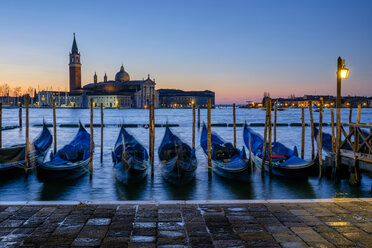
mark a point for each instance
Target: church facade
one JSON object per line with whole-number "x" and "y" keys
{"x": 122, "y": 92}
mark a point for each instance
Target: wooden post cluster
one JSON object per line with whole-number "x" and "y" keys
{"x": 234, "y": 124}
{"x": 311, "y": 128}
{"x": 275, "y": 118}
{"x": 20, "y": 115}
{"x": 193, "y": 125}
{"x": 91, "y": 137}
{"x": 27, "y": 161}
{"x": 320, "y": 135}
{"x": 303, "y": 132}
{"x": 1, "y": 123}
{"x": 101, "y": 132}
{"x": 209, "y": 138}
{"x": 333, "y": 129}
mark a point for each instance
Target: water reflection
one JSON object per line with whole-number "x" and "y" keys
{"x": 57, "y": 190}
{"x": 236, "y": 189}
{"x": 184, "y": 192}
{"x": 130, "y": 192}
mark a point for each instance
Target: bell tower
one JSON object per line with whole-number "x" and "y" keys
{"x": 75, "y": 68}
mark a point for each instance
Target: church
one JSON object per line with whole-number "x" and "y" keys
{"x": 119, "y": 93}
{"x": 122, "y": 92}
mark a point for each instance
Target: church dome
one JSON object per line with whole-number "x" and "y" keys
{"x": 122, "y": 75}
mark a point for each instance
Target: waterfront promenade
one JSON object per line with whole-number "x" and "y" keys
{"x": 275, "y": 223}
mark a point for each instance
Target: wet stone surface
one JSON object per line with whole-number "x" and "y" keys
{"x": 343, "y": 223}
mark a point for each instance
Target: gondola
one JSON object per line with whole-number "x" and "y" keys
{"x": 327, "y": 140}
{"x": 227, "y": 161}
{"x": 70, "y": 162}
{"x": 285, "y": 161}
{"x": 13, "y": 158}
{"x": 133, "y": 168}
{"x": 177, "y": 159}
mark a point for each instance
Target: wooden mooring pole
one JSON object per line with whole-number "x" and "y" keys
{"x": 275, "y": 118}
{"x": 27, "y": 161}
{"x": 333, "y": 130}
{"x": 350, "y": 115}
{"x": 270, "y": 139}
{"x": 198, "y": 116}
{"x": 312, "y": 128}
{"x": 265, "y": 138}
{"x": 320, "y": 135}
{"x": 209, "y": 139}
{"x": 250, "y": 152}
{"x": 359, "y": 113}
{"x": 193, "y": 125}
{"x": 152, "y": 134}
{"x": 303, "y": 132}
{"x": 91, "y": 137}
{"x": 101, "y": 132}
{"x": 54, "y": 127}
{"x": 355, "y": 176}
{"x": 234, "y": 124}
{"x": 20, "y": 116}
{"x": 1, "y": 123}
{"x": 338, "y": 123}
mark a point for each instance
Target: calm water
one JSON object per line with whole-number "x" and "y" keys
{"x": 103, "y": 185}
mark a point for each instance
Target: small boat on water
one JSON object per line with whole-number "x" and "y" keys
{"x": 13, "y": 158}
{"x": 327, "y": 140}
{"x": 130, "y": 163}
{"x": 70, "y": 162}
{"x": 227, "y": 161}
{"x": 285, "y": 162}
{"x": 177, "y": 159}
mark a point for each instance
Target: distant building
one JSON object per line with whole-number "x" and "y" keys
{"x": 122, "y": 92}
{"x": 328, "y": 100}
{"x": 45, "y": 98}
{"x": 119, "y": 93}
{"x": 171, "y": 98}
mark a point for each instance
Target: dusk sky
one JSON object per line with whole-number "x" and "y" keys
{"x": 239, "y": 49}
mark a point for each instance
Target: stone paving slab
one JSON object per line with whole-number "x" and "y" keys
{"x": 264, "y": 223}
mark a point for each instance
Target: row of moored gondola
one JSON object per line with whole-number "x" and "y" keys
{"x": 177, "y": 159}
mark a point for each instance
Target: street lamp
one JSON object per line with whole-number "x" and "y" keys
{"x": 342, "y": 73}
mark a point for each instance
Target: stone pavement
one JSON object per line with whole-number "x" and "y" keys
{"x": 296, "y": 223}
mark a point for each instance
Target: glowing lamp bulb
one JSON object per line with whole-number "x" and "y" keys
{"x": 344, "y": 72}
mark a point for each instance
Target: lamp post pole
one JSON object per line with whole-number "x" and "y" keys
{"x": 338, "y": 106}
